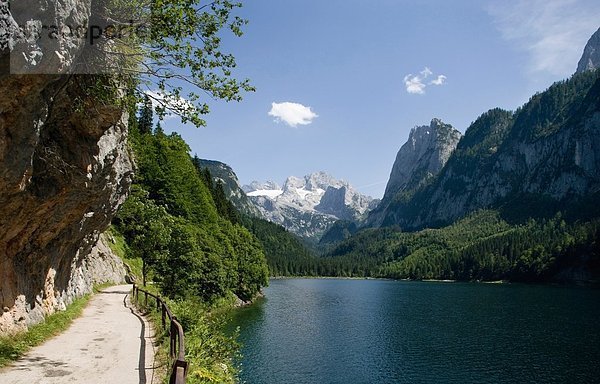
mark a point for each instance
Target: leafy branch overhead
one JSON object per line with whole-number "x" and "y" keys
{"x": 178, "y": 60}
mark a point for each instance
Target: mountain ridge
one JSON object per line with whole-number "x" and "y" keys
{"x": 547, "y": 151}
{"x": 308, "y": 206}
{"x": 224, "y": 174}
{"x": 517, "y": 200}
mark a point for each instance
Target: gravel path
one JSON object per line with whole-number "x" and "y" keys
{"x": 108, "y": 344}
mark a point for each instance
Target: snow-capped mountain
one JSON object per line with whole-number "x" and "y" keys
{"x": 308, "y": 206}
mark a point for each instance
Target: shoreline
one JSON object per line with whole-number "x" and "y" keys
{"x": 329, "y": 278}
{"x": 586, "y": 284}
{"x": 388, "y": 279}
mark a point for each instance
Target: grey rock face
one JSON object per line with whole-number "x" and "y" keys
{"x": 225, "y": 174}
{"x": 344, "y": 203}
{"x": 257, "y": 186}
{"x": 420, "y": 159}
{"x": 99, "y": 266}
{"x": 422, "y": 156}
{"x": 561, "y": 166}
{"x": 591, "y": 54}
{"x": 64, "y": 170}
{"x": 22, "y": 30}
{"x": 308, "y": 206}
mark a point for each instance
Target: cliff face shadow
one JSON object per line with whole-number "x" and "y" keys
{"x": 113, "y": 292}
{"x": 142, "y": 353}
{"x": 26, "y": 362}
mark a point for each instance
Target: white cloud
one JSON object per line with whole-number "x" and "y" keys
{"x": 426, "y": 72}
{"x": 439, "y": 81}
{"x": 554, "y": 32}
{"x": 416, "y": 84}
{"x": 293, "y": 114}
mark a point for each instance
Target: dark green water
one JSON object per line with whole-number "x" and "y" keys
{"x": 374, "y": 331}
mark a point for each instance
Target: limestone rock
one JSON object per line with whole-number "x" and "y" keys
{"x": 419, "y": 160}
{"x": 64, "y": 170}
{"x": 63, "y": 174}
{"x": 422, "y": 156}
{"x": 539, "y": 160}
{"x": 591, "y": 54}
{"x": 309, "y": 206}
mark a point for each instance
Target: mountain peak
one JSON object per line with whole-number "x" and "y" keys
{"x": 309, "y": 205}
{"x": 426, "y": 151}
{"x": 435, "y": 122}
{"x": 591, "y": 54}
{"x": 418, "y": 160}
{"x": 268, "y": 185}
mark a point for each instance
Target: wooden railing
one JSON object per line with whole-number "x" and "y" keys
{"x": 177, "y": 342}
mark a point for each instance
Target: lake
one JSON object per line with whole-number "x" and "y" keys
{"x": 378, "y": 331}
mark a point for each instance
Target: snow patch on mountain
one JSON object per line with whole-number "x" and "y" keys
{"x": 272, "y": 193}
{"x": 308, "y": 206}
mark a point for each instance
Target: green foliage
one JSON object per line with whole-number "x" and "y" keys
{"x": 480, "y": 247}
{"x": 174, "y": 49}
{"x": 224, "y": 207}
{"x": 483, "y": 138}
{"x": 192, "y": 246}
{"x": 148, "y": 228}
{"x": 146, "y": 118}
{"x": 172, "y": 223}
{"x": 210, "y": 352}
{"x": 181, "y": 56}
{"x": 165, "y": 170}
{"x": 548, "y": 112}
{"x": 339, "y": 231}
{"x": 13, "y": 347}
{"x": 286, "y": 254}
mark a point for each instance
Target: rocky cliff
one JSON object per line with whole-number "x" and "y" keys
{"x": 310, "y": 205}
{"x": 591, "y": 54}
{"x": 231, "y": 185}
{"x": 64, "y": 170}
{"x": 543, "y": 158}
{"x": 418, "y": 161}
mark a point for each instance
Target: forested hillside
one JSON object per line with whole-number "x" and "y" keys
{"x": 481, "y": 246}
{"x": 286, "y": 254}
{"x": 189, "y": 245}
{"x": 539, "y": 160}
{"x": 180, "y": 219}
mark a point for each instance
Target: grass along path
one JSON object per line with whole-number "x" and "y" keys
{"x": 109, "y": 343}
{"x": 13, "y": 347}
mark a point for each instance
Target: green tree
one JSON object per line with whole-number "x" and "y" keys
{"x": 192, "y": 248}
{"x": 146, "y": 116}
{"x": 176, "y": 52}
{"x": 147, "y": 227}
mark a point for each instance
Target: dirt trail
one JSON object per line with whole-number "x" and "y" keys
{"x": 108, "y": 344}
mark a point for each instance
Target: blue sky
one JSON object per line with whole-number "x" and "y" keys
{"x": 349, "y": 79}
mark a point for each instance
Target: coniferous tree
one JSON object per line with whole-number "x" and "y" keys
{"x": 159, "y": 129}
{"x": 146, "y": 116}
